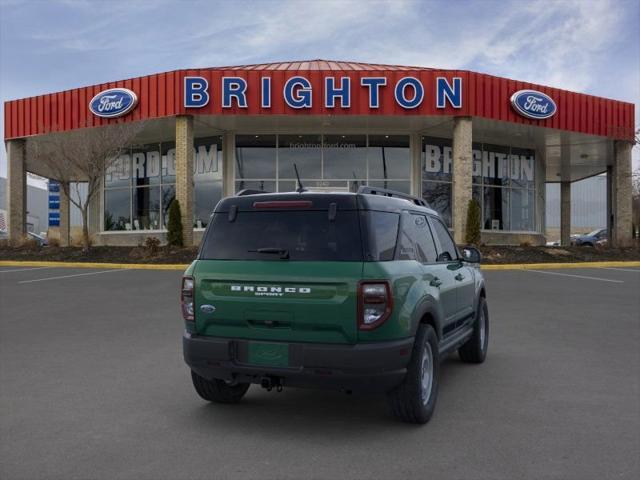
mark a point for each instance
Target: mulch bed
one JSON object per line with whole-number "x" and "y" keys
{"x": 490, "y": 254}
{"x": 504, "y": 254}
{"x": 99, "y": 254}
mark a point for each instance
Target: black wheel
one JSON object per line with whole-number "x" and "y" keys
{"x": 218, "y": 391}
{"x": 414, "y": 400}
{"x": 475, "y": 349}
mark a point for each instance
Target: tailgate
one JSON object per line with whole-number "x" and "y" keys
{"x": 290, "y": 301}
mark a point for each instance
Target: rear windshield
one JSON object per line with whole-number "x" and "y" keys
{"x": 284, "y": 235}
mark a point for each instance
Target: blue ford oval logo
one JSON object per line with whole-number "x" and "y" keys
{"x": 207, "y": 308}
{"x": 114, "y": 102}
{"x": 533, "y": 104}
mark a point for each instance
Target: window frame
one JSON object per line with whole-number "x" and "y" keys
{"x": 436, "y": 238}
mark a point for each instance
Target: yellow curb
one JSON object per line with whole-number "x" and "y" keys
{"x": 129, "y": 266}
{"x": 178, "y": 266}
{"x": 553, "y": 266}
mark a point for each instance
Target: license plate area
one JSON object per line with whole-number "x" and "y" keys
{"x": 268, "y": 354}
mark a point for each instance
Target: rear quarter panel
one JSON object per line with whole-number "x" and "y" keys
{"x": 412, "y": 299}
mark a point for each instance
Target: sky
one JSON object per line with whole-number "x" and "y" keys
{"x": 581, "y": 45}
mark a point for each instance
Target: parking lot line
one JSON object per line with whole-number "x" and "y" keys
{"x": 577, "y": 276}
{"x": 23, "y": 269}
{"x": 637, "y": 270}
{"x": 69, "y": 276}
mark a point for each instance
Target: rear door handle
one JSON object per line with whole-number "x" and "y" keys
{"x": 459, "y": 277}
{"x": 435, "y": 282}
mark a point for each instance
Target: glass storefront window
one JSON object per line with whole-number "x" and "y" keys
{"x": 255, "y": 157}
{"x": 397, "y": 185}
{"x": 496, "y": 208}
{"x": 344, "y": 157}
{"x": 522, "y": 209}
{"x": 168, "y": 194}
{"x": 477, "y": 155}
{"x": 207, "y": 178}
{"x": 522, "y": 163}
{"x": 168, "y": 162}
{"x": 152, "y": 168}
{"x": 117, "y": 215}
{"x": 438, "y": 197}
{"x": 118, "y": 174}
{"x": 436, "y": 159}
{"x": 264, "y": 185}
{"x": 146, "y": 208}
{"x": 495, "y": 165}
{"x": 333, "y": 162}
{"x": 145, "y": 165}
{"x": 498, "y": 174}
{"x": 207, "y": 195}
{"x": 303, "y": 150}
{"x": 389, "y": 157}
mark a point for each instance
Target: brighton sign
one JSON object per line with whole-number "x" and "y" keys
{"x": 533, "y": 104}
{"x": 408, "y": 92}
{"x": 113, "y": 103}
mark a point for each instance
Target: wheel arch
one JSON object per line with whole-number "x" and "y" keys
{"x": 429, "y": 315}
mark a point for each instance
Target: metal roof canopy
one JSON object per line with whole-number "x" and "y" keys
{"x": 160, "y": 95}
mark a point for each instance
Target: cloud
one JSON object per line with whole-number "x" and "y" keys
{"x": 582, "y": 45}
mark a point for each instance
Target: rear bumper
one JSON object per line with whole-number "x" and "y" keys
{"x": 364, "y": 367}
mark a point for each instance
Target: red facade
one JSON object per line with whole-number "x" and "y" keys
{"x": 161, "y": 95}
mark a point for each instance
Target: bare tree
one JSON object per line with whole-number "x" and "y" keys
{"x": 82, "y": 156}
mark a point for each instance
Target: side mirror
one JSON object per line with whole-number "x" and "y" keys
{"x": 471, "y": 255}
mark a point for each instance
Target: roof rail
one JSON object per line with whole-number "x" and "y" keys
{"x": 248, "y": 191}
{"x": 392, "y": 193}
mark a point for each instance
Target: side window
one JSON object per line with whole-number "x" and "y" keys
{"x": 382, "y": 228}
{"x": 406, "y": 250}
{"x": 425, "y": 247}
{"x": 447, "y": 250}
{"x": 416, "y": 242}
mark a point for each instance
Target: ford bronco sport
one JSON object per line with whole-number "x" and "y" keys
{"x": 357, "y": 291}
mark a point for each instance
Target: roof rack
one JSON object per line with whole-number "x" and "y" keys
{"x": 392, "y": 193}
{"x": 248, "y": 191}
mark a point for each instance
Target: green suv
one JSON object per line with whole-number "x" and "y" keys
{"x": 357, "y": 291}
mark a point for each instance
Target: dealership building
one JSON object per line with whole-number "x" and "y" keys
{"x": 448, "y": 136}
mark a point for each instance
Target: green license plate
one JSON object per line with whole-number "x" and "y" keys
{"x": 269, "y": 354}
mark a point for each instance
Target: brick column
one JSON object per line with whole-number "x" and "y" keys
{"x": 184, "y": 174}
{"x": 65, "y": 219}
{"x": 228, "y": 164}
{"x": 16, "y": 191}
{"x": 565, "y": 213}
{"x": 462, "y": 175}
{"x": 621, "y": 184}
{"x": 415, "y": 144}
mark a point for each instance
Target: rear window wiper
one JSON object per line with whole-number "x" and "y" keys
{"x": 284, "y": 254}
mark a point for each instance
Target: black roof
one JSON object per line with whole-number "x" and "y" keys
{"x": 322, "y": 200}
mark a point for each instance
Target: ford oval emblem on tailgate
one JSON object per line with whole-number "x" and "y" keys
{"x": 207, "y": 308}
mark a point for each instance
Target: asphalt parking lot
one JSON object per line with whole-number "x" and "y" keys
{"x": 92, "y": 385}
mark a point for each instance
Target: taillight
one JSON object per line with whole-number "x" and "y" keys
{"x": 375, "y": 303}
{"x": 186, "y": 298}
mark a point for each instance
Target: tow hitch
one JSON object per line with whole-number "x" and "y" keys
{"x": 270, "y": 383}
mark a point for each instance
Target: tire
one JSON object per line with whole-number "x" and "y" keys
{"x": 414, "y": 400}
{"x": 218, "y": 391}
{"x": 474, "y": 350}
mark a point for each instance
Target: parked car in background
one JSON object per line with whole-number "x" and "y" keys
{"x": 41, "y": 239}
{"x": 591, "y": 239}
